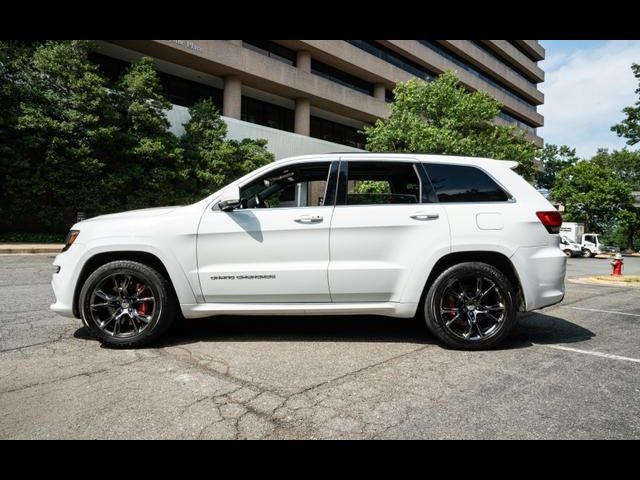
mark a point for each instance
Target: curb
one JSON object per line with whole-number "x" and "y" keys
{"x": 24, "y": 249}
{"x": 593, "y": 281}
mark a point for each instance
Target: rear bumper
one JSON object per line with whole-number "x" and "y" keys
{"x": 542, "y": 271}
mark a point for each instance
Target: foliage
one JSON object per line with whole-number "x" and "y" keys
{"x": 554, "y": 159}
{"x": 630, "y": 126}
{"x": 618, "y": 235}
{"x": 624, "y": 162}
{"x": 70, "y": 142}
{"x": 214, "y": 160}
{"x": 371, "y": 186}
{"x": 145, "y": 167}
{"x": 441, "y": 117}
{"x": 56, "y": 130}
{"x": 626, "y": 165}
{"x": 591, "y": 193}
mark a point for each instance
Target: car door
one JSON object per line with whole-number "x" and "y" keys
{"x": 275, "y": 249}
{"x": 386, "y": 224}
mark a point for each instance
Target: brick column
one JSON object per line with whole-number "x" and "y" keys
{"x": 232, "y": 98}
{"x": 302, "y": 116}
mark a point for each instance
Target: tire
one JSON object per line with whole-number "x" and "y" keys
{"x": 586, "y": 253}
{"x": 449, "y": 316}
{"x": 568, "y": 253}
{"x": 125, "y": 313}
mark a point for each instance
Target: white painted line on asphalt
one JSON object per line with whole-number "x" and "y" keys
{"x": 588, "y": 352}
{"x": 602, "y": 311}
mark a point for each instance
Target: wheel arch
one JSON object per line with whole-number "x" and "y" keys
{"x": 495, "y": 259}
{"x": 99, "y": 259}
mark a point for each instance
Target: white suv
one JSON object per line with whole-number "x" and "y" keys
{"x": 465, "y": 242}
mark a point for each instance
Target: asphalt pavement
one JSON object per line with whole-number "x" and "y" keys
{"x": 568, "y": 371}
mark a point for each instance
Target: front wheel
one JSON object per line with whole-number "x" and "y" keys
{"x": 127, "y": 304}
{"x": 586, "y": 253}
{"x": 470, "y": 306}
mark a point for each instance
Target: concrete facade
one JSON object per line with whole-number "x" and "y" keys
{"x": 507, "y": 70}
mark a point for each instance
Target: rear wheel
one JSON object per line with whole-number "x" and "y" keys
{"x": 568, "y": 253}
{"x": 127, "y": 304}
{"x": 470, "y": 306}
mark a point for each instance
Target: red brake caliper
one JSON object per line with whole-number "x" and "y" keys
{"x": 451, "y": 303}
{"x": 143, "y": 307}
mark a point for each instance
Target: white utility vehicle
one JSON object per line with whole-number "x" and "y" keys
{"x": 464, "y": 242}
{"x": 570, "y": 249}
{"x": 590, "y": 244}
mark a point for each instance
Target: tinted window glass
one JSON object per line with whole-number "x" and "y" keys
{"x": 371, "y": 183}
{"x": 293, "y": 186}
{"x": 458, "y": 183}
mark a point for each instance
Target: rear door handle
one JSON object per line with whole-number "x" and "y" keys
{"x": 309, "y": 219}
{"x": 425, "y": 216}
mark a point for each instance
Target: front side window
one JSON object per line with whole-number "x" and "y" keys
{"x": 301, "y": 185}
{"x": 461, "y": 183}
{"x": 381, "y": 183}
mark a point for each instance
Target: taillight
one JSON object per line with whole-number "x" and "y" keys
{"x": 551, "y": 220}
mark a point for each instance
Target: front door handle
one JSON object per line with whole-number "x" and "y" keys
{"x": 425, "y": 216}
{"x": 309, "y": 219}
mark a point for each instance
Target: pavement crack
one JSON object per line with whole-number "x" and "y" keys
{"x": 57, "y": 380}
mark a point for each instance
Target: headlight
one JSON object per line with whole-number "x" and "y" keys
{"x": 71, "y": 237}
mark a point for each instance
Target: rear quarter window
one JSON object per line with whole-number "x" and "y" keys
{"x": 461, "y": 183}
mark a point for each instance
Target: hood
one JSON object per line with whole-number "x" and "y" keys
{"x": 142, "y": 213}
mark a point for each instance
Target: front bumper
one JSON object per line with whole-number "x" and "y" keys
{"x": 542, "y": 272}
{"x": 64, "y": 282}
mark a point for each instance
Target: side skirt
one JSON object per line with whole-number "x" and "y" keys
{"x": 391, "y": 309}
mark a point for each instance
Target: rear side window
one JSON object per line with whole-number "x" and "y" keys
{"x": 461, "y": 183}
{"x": 382, "y": 183}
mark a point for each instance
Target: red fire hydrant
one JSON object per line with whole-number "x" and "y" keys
{"x": 617, "y": 264}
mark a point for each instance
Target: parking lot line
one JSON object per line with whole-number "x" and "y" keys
{"x": 589, "y": 352}
{"x": 602, "y": 311}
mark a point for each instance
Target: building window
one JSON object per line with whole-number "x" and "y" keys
{"x": 336, "y": 132}
{"x": 267, "y": 114}
{"x": 178, "y": 90}
{"x": 505, "y": 61}
{"x": 272, "y": 50}
{"x": 523, "y": 50}
{"x": 389, "y": 56}
{"x": 343, "y": 78}
{"x": 459, "y": 183}
{"x": 518, "y": 123}
{"x": 389, "y": 97}
{"x": 454, "y": 58}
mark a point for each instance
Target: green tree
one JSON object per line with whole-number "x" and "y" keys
{"x": 214, "y": 160}
{"x": 56, "y": 129}
{"x": 554, "y": 159}
{"x": 441, "y": 117}
{"x": 146, "y": 166}
{"x": 591, "y": 194}
{"x": 630, "y": 126}
{"x": 626, "y": 164}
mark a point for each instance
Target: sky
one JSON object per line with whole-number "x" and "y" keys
{"x": 587, "y": 84}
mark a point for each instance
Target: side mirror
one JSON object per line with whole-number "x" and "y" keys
{"x": 230, "y": 199}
